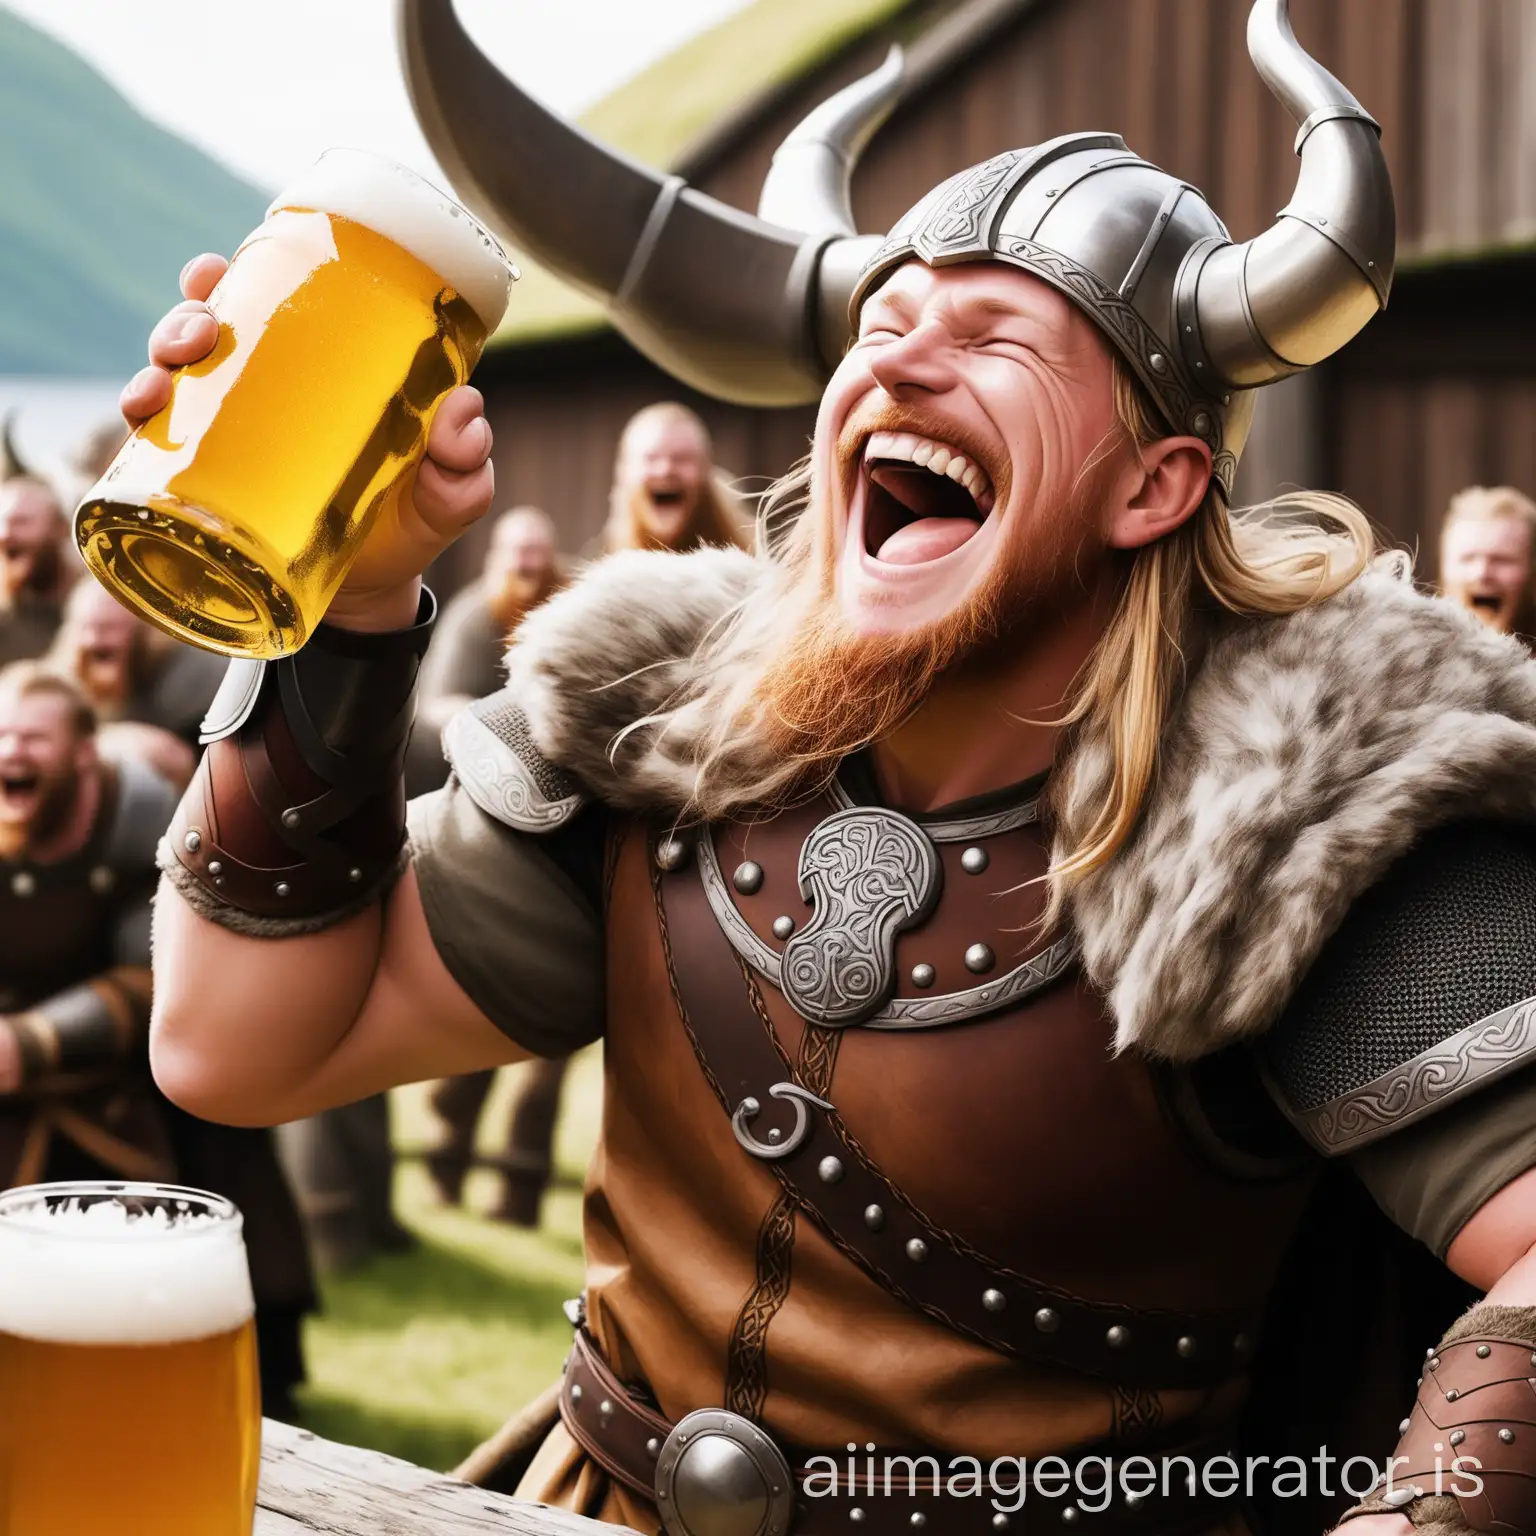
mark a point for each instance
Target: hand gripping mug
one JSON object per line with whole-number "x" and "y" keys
{"x": 230, "y": 517}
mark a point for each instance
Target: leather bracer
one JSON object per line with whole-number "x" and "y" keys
{"x": 296, "y": 816}
{"x": 1467, "y": 1456}
{"x": 78, "y": 1033}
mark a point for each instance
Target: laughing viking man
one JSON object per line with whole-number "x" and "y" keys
{"x": 1064, "y": 946}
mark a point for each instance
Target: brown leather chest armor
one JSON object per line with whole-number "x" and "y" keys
{"x": 941, "y": 1096}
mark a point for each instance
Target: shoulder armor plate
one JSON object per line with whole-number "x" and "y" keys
{"x": 1425, "y": 995}
{"x": 491, "y": 749}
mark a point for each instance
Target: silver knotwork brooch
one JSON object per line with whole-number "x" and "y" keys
{"x": 868, "y": 873}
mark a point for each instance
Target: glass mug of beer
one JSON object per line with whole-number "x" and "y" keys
{"x": 230, "y": 517}
{"x": 129, "y": 1398}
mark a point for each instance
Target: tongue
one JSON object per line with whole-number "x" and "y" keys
{"x": 928, "y": 538}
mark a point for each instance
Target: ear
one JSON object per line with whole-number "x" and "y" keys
{"x": 1158, "y": 490}
{"x": 87, "y": 757}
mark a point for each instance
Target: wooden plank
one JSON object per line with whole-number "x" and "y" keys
{"x": 311, "y": 1486}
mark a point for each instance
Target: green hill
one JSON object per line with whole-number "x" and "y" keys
{"x": 99, "y": 208}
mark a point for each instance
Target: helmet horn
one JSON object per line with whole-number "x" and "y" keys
{"x": 1298, "y": 292}
{"x": 729, "y": 303}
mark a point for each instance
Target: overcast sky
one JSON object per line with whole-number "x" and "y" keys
{"x": 265, "y": 85}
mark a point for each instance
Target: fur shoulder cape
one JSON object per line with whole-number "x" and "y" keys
{"x": 1304, "y": 757}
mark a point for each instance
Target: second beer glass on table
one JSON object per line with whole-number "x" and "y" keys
{"x": 129, "y": 1396}
{"x": 230, "y": 517}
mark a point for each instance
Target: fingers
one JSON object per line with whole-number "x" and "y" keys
{"x": 144, "y": 394}
{"x": 200, "y": 275}
{"x": 460, "y": 439}
{"x": 183, "y": 336}
{"x": 448, "y": 501}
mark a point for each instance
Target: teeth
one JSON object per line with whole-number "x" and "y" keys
{"x": 938, "y": 458}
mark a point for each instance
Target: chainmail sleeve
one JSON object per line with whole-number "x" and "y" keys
{"x": 1425, "y": 996}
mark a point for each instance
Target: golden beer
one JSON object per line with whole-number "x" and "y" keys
{"x": 129, "y": 1397}
{"x": 230, "y": 517}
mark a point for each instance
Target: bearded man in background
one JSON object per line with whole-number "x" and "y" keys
{"x": 36, "y": 568}
{"x": 1486, "y": 557}
{"x": 149, "y": 692}
{"x": 987, "y": 899}
{"x": 667, "y": 492}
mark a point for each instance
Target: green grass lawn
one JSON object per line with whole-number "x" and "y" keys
{"x": 424, "y": 1354}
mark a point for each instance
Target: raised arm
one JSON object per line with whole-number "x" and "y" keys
{"x": 296, "y": 971}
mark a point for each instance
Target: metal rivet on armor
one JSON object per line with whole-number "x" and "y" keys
{"x": 999, "y": 1521}
{"x": 1159, "y": 363}
{"x": 829, "y": 1170}
{"x": 672, "y": 853}
{"x": 23, "y": 883}
{"x": 282, "y": 888}
{"x": 917, "y": 1250}
{"x": 1118, "y": 1337}
{"x": 653, "y": 1447}
{"x": 919, "y": 1519}
{"x": 1452, "y": 1395}
{"x": 748, "y": 878}
{"x": 748, "y": 1106}
{"x": 922, "y": 975}
{"x": 1457, "y": 1435}
{"x": 1397, "y": 1497}
{"x": 974, "y": 861}
{"x": 993, "y": 1300}
{"x": 576, "y": 1393}
{"x": 1483, "y": 1351}
{"x": 874, "y": 1217}
{"x": 856, "y": 1515}
{"x": 215, "y": 868}
{"x": 354, "y": 874}
{"x": 1434, "y": 1364}
{"x": 290, "y": 818}
{"x": 1069, "y": 1515}
{"x": 102, "y": 879}
{"x": 1402, "y": 1428}
{"x": 1429, "y": 1354}
{"x": 192, "y": 841}
{"x": 1187, "y": 1347}
{"x": 1052, "y": 191}
{"x": 783, "y": 926}
{"x": 605, "y": 1407}
{"x": 1507, "y": 1436}
{"x": 980, "y": 959}
{"x": 1046, "y": 1320}
{"x": 1321, "y": 221}
{"x": 1533, "y": 1357}
{"x": 1226, "y": 399}
{"x": 1202, "y": 423}
{"x": 775, "y": 1134}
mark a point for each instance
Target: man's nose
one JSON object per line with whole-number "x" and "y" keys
{"x": 918, "y": 363}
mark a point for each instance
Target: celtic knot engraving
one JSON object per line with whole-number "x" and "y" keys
{"x": 958, "y": 221}
{"x": 1483, "y": 1050}
{"x": 868, "y": 873}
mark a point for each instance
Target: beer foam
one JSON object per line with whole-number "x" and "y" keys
{"x": 96, "y": 1275}
{"x": 408, "y": 209}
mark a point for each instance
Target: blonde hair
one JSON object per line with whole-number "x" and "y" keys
{"x": 1490, "y": 503}
{"x": 1267, "y": 560}
{"x": 718, "y": 519}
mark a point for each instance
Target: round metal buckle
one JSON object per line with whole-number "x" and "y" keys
{"x": 718, "y": 1474}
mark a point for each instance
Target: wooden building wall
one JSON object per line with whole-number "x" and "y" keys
{"x": 1436, "y": 393}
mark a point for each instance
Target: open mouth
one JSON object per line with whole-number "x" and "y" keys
{"x": 18, "y": 789}
{"x": 665, "y": 496}
{"x": 924, "y": 498}
{"x": 1487, "y": 602}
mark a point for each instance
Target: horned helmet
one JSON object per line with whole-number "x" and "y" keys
{"x": 758, "y": 310}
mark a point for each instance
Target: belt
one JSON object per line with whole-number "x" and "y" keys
{"x": 715, "y": 1473}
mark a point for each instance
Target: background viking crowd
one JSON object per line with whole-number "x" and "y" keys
{"x": 99, "y": 722}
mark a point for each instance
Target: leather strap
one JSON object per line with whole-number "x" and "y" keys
{"x": 827, "y": 1174}
{"x": 624, "y": 1436}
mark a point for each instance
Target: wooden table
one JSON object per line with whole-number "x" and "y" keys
{"x": 309, "y": 1486}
